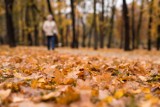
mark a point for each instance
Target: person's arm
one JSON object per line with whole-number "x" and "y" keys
{"x": 44, "y": 27}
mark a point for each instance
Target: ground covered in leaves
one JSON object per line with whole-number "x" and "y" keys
{"x": 35, "y": 77}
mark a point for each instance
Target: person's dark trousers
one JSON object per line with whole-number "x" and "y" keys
{"x": 51, "y": 42}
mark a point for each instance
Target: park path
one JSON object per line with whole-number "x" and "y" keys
{"x": 108, "y": 53}
{"x": 117, "y": 53}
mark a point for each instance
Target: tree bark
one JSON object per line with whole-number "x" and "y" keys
{"x": 126, "y": 25}
{"x": 74, "y": 39}
{"x": 84, "y": 33}
{"x": 50, "y": 7}
{"x": 122, "y": 35}
{"x": 36, "y": 33}
{"x": 102, "y": 27}
{"x": 158, "y": 29}
{"x": 90, "y": 34}
{"x": 60, "y": 24}
{"x": 95, "y": 27}
{"x": 150, "y": 23}
{"x": 111, "y": 25}
{"x": 9, "y": 23}
{"x": 133, "y": 24}
{"x": 139, "y": 24}
{"x": 30, "y": 18}
{"x": 66, "y": 35}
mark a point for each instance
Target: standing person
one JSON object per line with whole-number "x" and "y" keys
{"x": 50, "y": 29}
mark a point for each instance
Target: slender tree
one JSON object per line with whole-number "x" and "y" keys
{"x": 83, "y": 21}
{"x": 126, "y": 25}
{"x": 111, "y": 24}
{"x": 31, "y": 22}
{"x": 35, "y": 18}
{"x": 102, "y": 26}
{"x": 95, "y": 26}
{"x": 74, "y": 39}
{"x": 122, "y": 36}
{"x": 139, "y": 23}
{"x": 150, "y": 24}
{"x": 67, "y": 32}
{"x": 133, "y": 24}
{"x": 50, "y": 7}
{"x": 28, "y": 22}
{"x": 9, "y": 23}
{"x": 158, "y": 28}
{"x": 60, "y": 23}
{"x": 84, "y": 33}
{"x": 36, "y": 33}
{"x": 122, "y": 33}
{"x": 90, "y": 33}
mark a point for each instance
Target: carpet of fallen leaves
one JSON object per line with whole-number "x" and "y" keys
{"x": 35, "y": 77}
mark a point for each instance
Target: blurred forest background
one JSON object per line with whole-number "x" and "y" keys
{"x": 83, "y": 23}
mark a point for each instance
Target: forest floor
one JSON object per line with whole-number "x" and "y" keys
{"x": 36, "y": 77}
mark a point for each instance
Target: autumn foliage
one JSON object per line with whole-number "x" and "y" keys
{"x": 34, "y": 77}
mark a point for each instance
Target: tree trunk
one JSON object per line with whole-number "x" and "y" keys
{"x": 102, "y": 27}
{"x": 139, "y": 24}
{"x": 90, "y": 34}
{"x": 122, "y": 35}
{"x": 50, "y": 7}
{"x": 126, "y": 25}
{"x": 83, "y": 21}
{"x": 74, "y": 39}
{"x": 36, "y": 35}
{"x": 60, "y": 24}
{"x": 150, "y": 23}
{"x": 9, "y": 23}
{"x": 28, "y": 22}
{"x": 32, "y": 23}
{"x": 158, "y": 38}
{"x": 111, "y": 25}
{"x": 122, "y": 38}
{"x": 66, "y": 35}
{"x": 133, "y": 24}
{"x": 95, "y": 26}
{"x": 84, "y": 33}
{"x": 158, "y": 29}
{"x": 1, "y": 40}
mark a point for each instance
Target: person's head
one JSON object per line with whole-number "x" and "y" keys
{"x": 50, "y": 17}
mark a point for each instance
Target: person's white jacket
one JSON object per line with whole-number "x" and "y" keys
{"x": 50, "y": 28}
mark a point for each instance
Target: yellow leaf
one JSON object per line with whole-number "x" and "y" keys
{"x": 146, "y": 90}
{"x": 59, "y": 76}
{"x": 68, "y": 81}
{"x": 4, "y": 94}
{"x": 34, "y": 83}
{"x": 148, "y": 96}
{"x": 108, "y": 99}
{"x": 95, "y": 92}
{"x": 118, "y": 94}
{"x": 155, "y": 100}
{"x": 41, "y": 80}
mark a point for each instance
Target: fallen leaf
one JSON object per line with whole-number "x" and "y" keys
{"x": 118, "y": 94}
{"x": 4, "y": 94}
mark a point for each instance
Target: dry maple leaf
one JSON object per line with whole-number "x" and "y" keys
{"x": 58, "y": 77}
{"x": 4, "y": 94}
{"x": 68, "y": 96}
